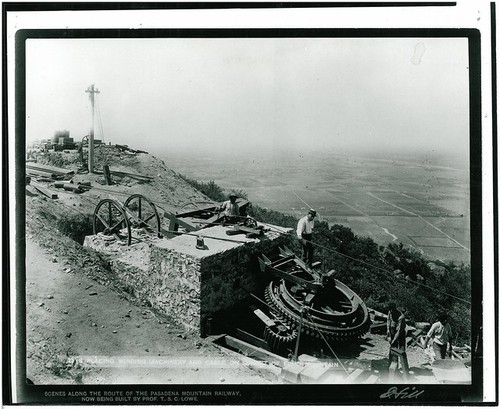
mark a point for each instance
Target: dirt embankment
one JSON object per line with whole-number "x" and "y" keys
{"x": 78, "y": 316}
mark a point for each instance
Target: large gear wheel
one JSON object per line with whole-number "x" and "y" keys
{"x": 280, "y": 338}
{"x": 337, "y": 313}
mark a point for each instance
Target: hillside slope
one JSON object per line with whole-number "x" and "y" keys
{"x": 62, "y": 276}
{"x": 135, "y": 173}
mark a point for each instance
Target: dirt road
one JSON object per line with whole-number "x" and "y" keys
{"x": 80, "y": 331}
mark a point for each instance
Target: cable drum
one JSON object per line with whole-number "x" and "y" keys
{"x": 337, "y": 313}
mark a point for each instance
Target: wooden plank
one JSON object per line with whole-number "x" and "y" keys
{"x": 252, "y": 339}
{"x": 47, "y": 168}
{"x": 173, "y": 218}
{"x": 194, "y": 213}
{"x": 132, "y": 175}
{"x": 43, "y": 173}
{"x": 246, "y": 229}
{"x": 286, "y": 252}
{"x": 377, "y": 313}
{"x": 44, "y": 179}
{"x": 291, "y": 372}
{"x": 256, "y": 352}
{"x": 46, "y": 193}
{"x": 313, "y": 286}
{"x": 331, "y": 273}
{"x": 283, "y": 261}
{"x": 414, "y": 337}
{"x": 313, "y": 372}
{"x": 354, "y": 375}
{"x": 371, "y": 379}
{"x": 304, "y": 267}
{"x": 264, "y": 318}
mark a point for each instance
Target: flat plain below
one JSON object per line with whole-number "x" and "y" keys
{"x": 422, "y": 202}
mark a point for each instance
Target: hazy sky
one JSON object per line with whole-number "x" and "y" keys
{"x": 235, "y": 95}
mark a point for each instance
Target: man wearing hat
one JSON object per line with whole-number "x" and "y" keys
{"x": 304, "y": 233}
{"x": 230, "y": 207}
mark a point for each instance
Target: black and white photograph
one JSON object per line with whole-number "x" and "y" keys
{"x": 251, "y": 214}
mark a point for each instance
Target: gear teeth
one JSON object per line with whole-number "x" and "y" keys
{"x": 278, "y": 342}
{"x": 289, "y": 317}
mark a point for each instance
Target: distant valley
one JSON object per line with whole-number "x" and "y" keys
{"x": 423, "y": 203}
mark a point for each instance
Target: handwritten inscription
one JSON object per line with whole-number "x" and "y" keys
{"x": 406, "y": 393}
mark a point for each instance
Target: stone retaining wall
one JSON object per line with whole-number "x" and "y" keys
{"x": 191, "y": 285}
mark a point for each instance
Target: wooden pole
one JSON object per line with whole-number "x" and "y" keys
{"x": 91, "y": 90}
{"x": 107, "y": 175}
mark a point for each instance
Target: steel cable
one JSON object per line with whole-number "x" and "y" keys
{"x": 381, "y": 269}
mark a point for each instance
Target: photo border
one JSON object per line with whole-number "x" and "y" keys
{"x": 259, "y": 394}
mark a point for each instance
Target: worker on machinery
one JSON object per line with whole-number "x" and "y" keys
{"x": 230, "y": 208}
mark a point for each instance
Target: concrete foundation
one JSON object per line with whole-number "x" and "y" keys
{"x": 190, "y": 284}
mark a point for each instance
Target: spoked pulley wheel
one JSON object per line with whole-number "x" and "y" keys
{"x": 335, "y": 312}
{"x": 142, "y": 213}
{"x": 250, "y": 222}
{"x": 111, "y": 219}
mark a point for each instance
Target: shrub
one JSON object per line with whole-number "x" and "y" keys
{"x": 59, "y": 160}
{"x": 210, "y": 189}
{"x": 76, "y": 226}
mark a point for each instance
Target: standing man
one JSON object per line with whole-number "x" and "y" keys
{"x": 398, "y": 339}
{"x": 392, "y": 320}
{"x": 304, "y": 233}
{"x": 398, "y": 343}
{"x": 441, "y": 333}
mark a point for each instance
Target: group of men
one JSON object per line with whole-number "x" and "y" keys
{"x": 440, "y": 331}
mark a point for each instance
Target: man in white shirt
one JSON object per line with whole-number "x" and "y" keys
{"x": 305, "y": 227}
{"x": 441, "y": 333}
